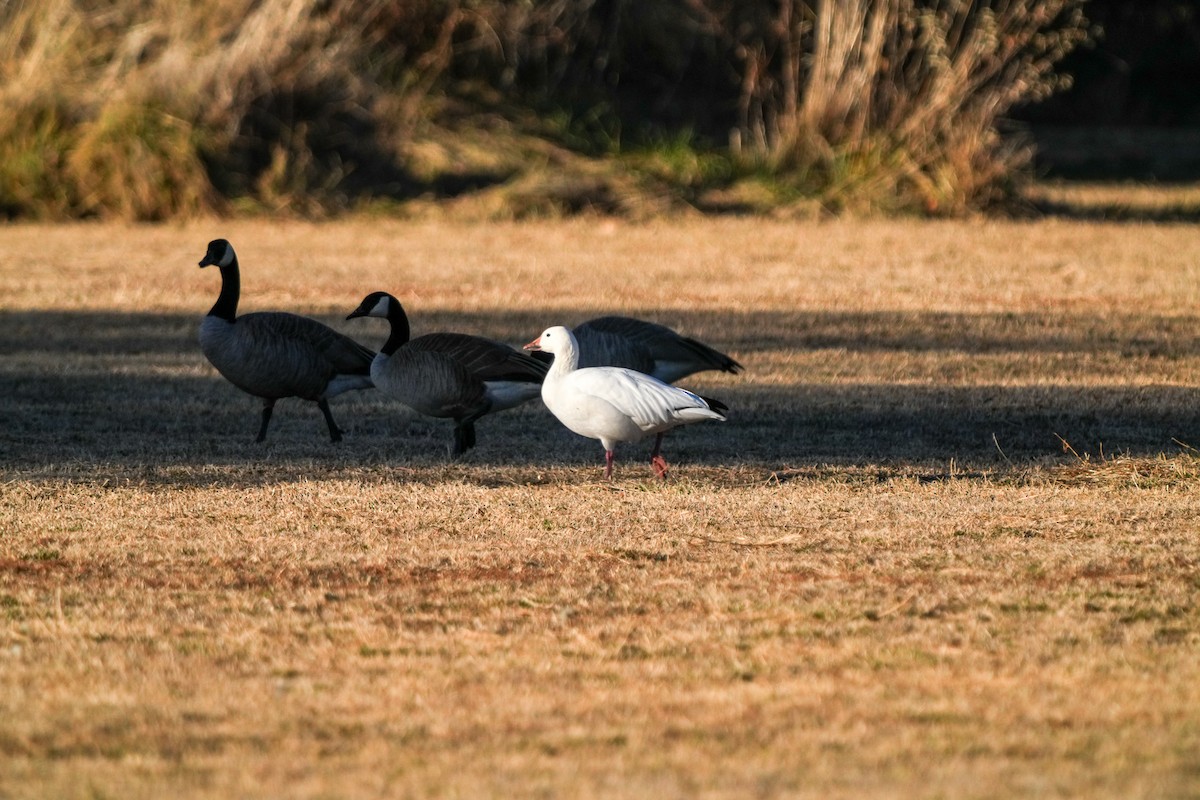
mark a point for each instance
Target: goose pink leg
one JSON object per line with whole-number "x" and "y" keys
{"x": 656, "y": 460}
{"x": 608, "y": 464}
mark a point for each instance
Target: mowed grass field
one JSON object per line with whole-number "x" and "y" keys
{"x": 946, "y": 545}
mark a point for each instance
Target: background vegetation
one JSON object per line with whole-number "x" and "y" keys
{"x": 149, "y": 109}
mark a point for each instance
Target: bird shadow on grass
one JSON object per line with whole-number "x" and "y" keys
{"x": 128, "y": 396}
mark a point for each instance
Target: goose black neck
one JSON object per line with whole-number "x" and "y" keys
{"x": 231, "y": 289}
{"x": 400, "y": 330}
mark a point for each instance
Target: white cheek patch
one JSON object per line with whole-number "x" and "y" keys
{"x": 226, "y": 259}
{"x": 380, "y": 308}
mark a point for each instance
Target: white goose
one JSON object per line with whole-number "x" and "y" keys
{"x": 614, "y": 404}
{"x": 448, "y": 375}
{"x": 273, "y": 354}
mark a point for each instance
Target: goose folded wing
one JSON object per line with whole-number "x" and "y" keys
{"x": 599, "y": 348}
{"x": 342, "y": 353}
{"x": 661, "y": 342}
{"x": 486, "y": 359}
{"x": 348, "y": 356}
{"x": 635, "y": 330}
{"x": 649, "y": 403}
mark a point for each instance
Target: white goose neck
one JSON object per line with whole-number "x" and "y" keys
{"x": 566, "y": 358}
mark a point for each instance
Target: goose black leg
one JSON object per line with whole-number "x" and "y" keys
{"x": 268, "y": 407}
{"x": 464, "y": 431}
{"x": 464, "y": 437}
{"x": 335, "y": 433}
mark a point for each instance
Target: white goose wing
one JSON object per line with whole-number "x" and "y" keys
{"x": 646, "y": 401}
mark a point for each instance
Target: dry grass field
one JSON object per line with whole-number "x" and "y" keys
{"x": 945, "y": 546}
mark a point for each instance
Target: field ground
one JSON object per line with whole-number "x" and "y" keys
{"x": 945, "y": 546}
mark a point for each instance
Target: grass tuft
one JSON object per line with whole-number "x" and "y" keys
{"x": 137, "y": 161}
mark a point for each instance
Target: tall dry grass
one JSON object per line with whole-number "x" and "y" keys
{"x": 902, "y": 102}
{"x": 148, "y": 109}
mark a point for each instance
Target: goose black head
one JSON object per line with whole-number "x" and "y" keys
{"x": 220, "y": 253}
{"x": 376, "y": 304}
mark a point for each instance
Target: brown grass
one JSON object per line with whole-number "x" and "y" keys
{"x": 1128, "y": 201}
{"x": 944, "y": 546}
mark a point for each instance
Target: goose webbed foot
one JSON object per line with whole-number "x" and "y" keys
{"x": 660, "y": 466}
{"x": 656, "y": 460}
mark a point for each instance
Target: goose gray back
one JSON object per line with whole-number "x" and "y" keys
{"x": 275, "y": 354}
{"x": 648, "y": 347}
{"x": 673, "y": 356}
